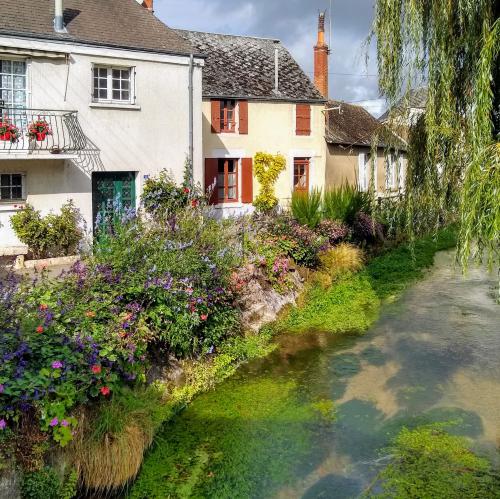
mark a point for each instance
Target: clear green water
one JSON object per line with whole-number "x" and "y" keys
{"x": 312, "y": 420}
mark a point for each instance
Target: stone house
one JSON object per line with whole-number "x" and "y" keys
{"x": 97, "y": 96}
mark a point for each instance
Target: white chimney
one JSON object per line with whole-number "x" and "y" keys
{"x": 58, "y": 18}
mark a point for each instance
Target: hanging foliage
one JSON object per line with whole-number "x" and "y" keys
{"x": 267, "y": 168}
{"x": 453, "y": 47}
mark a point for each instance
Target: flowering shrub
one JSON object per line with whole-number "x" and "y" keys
{"x": 163, "y": 198}
{"x": 296, "y": 241}
{"x": 367, "y": 229}
{"x": 333, "y": 230}
{"x": 78, "y": 339}
{"x": 267, "y": 169}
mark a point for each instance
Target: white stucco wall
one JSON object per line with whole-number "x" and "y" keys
{"x": 145, "y": 138}
{"x": 271, "y": 129}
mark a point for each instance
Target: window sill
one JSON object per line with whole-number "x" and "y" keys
{"x": 12, "y": 205}
{"x": 114, "y": 105}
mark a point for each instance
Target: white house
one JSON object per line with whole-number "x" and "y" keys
{"x": 119, "y": 93}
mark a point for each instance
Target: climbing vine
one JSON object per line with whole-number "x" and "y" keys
{"x": 453, "y": 48}
{"x": 267, "y": 168}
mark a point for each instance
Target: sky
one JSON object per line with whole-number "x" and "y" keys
{"x": 294, "y": 22}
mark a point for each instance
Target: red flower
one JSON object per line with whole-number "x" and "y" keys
{"x": 194, "y": 203}
{"x": 186, "y": 190}
{"x": 204, "y": 317}
{"x": 96, "y": 369}
{"x": 39, "y": 329}
{"x": 43, "y": 306}
{"x": 105, "y": 391}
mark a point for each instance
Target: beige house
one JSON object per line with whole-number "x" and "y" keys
{"x": 256, "y": 99}
{"x": 117, "y": 97}
{"x": 350, "y": 131}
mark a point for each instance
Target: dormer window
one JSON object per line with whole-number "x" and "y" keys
{"x": 113, "y": 85}
{"x": 228, "y": 116}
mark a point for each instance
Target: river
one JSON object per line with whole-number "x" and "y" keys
{"x": 314, "y": 419}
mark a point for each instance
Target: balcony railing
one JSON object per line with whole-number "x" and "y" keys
{"x": 34, "y": 131}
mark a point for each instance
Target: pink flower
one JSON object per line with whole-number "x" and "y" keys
{"x": 54, "y": 422}
{"x": 39, "y": 329}
{"x": 3, "y": 424}
{"x": 64, "y": 423}
{"x": 96, "y": 369}
{"x": 204, "y": 317}
{"x": 57, "y": 364}
{"x": 105, "y": 391}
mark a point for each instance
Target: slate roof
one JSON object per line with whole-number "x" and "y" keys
{"x": 353, "y": 125}
{"x": 416, "y": 99}
{"x": 111, "y": 23}
{"x": 244, "y": 67}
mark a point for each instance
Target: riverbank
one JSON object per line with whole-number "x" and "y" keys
{"x": 352, "y": 303}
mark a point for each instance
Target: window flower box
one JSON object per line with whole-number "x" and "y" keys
{"x": 8, "y": 131}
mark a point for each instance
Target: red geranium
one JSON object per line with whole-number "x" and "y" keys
{"x": 39, "y": 329}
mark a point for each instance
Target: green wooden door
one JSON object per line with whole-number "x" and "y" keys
{"x": 112, "y": 192}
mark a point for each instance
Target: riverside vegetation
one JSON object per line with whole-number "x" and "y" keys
{"x": 80, "y": 354}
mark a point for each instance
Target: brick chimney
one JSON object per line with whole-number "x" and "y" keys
{"x": 148, "y": 4}
{"x": 321, "y": 53}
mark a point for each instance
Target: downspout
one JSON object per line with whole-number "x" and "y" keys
{"x": 191, "y": 116}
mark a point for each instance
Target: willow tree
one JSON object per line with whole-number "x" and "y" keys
{"x": 453, "y": 46}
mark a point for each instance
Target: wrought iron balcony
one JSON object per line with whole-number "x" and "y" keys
{"x": 32, "y": 131}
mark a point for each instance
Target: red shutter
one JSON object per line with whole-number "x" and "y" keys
{"x": 243, "y": 106}
{"x": 303, "y": 118}
{"x": 211, "y": 170}
{"x": 247, "y": 180}
{"x": 216, "y": 116}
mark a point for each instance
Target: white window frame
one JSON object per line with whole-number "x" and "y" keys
{"x": 27, "y": 92}
{"x": 391, "y": 173}
{"x": 363, "y": 180}
{"x": 23, "y": 189}
{"x": 109, "y": 88}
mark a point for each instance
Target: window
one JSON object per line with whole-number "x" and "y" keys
{"x": 13, "y": 83}
{"x": 390, "y": 178}
{"x": 228, "y": 116}
{"x": 301, "y": 174}
{"x": 113, "y": 85}
{"x": 11, "y": 186}
{"x": 227, "y": 180}
{"x": 363, "y": 162}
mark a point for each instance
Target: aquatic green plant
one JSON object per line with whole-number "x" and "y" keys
{"x": 428, "y": 462}
{"x": 225, "y": 446}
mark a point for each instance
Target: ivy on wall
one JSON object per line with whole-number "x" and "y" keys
{"x": 267, "y": 168}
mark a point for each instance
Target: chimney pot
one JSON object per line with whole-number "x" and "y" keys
{"x": 148, "y": 4}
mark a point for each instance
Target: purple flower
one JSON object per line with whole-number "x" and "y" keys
{"x": 3, "y": 424}
{"x": 57, "y": 364}
{"x": 64, "y": 423}
{"x": 2, "y": 388}
{"x": 54, "y": 422}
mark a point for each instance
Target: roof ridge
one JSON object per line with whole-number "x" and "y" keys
{"x": 229, "y": 35}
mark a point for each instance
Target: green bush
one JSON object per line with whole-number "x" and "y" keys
{"x": 43, "y": 484}
{"x": 344, "y": 202}
{"x": 49, "y": 236}
{"x": 306, "y": 207}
